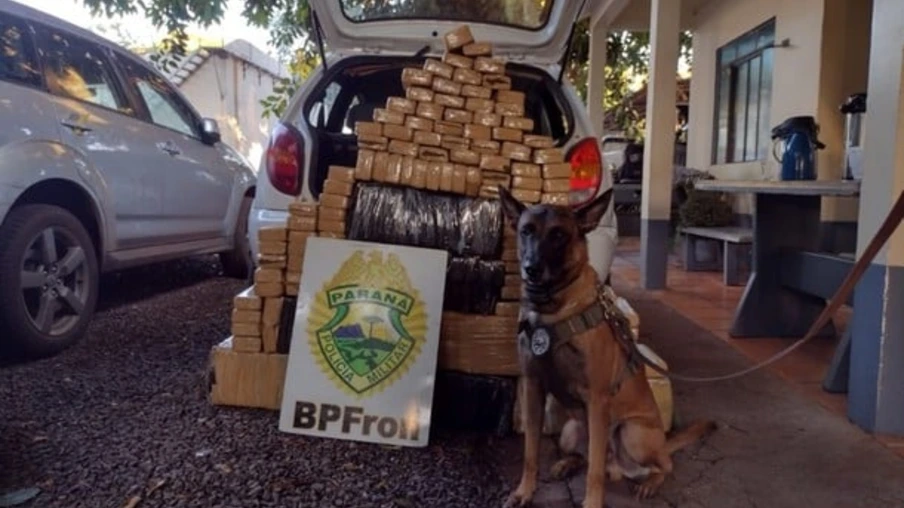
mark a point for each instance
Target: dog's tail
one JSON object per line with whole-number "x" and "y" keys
{"x": 688, "y": 435}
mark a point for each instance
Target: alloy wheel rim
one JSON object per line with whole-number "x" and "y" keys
{"x": 54, "y": 281}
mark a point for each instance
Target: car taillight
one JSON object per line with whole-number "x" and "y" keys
{"x": 586, "y": 170}
{"x": 284, "y": 159}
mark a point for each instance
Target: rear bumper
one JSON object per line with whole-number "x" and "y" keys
{"x": 261, "y": 218}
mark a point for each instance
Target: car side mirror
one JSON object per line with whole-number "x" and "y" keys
{"x": 210, "y": 131}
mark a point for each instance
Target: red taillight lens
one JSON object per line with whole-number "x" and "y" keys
{"x": 284, "y": 159}
{"x": 586, "y": 170}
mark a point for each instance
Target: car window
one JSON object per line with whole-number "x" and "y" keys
{"x": 76, "y": 68}
{"x": 164, "y": 105}
{"x": 318, "y": 116}
{"x": 18, "y": 63}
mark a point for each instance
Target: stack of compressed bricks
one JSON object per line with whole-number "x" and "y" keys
{"x": 511, "y": 289}
{"x": 462, "y": 129}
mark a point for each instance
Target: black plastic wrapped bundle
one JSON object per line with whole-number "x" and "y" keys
{"x": 466, "y": 402}
{"x": 462, "y": 225}
{"x": 473, "y": 285}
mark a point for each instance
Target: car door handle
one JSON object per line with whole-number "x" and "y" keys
{"x": 170, "y": 148}
{"x": 73, "y": 124}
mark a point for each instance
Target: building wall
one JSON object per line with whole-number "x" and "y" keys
{"x": 230, "y": 90}
{"x": 827, "y": 60}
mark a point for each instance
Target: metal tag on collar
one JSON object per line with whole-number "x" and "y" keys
{"x": 539, "y": 342}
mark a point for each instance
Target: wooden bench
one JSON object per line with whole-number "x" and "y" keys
{"x": 733, "y": 241}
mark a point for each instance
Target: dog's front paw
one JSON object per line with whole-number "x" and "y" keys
{"x": 519, "y": 499}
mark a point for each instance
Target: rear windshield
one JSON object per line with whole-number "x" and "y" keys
{"x": 529, "y": 14}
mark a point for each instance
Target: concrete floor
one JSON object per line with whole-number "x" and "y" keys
{"x": 775, "y": 446}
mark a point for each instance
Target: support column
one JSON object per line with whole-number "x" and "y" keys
{"x": 596, "y": 75}
{"x": 876, "y": 383}
{"x": 659, "y": 145}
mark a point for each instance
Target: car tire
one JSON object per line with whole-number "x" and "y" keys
{"x": 48, "y": 280}
{"x": 237, "y": 263}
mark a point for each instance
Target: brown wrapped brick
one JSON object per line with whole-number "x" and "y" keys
{"x": 247, "y": 317}
{"x": 449, "y": 101}
{"x": 375, "y": 143}
{"x": 416, "y": 77}
{"x": 514, "y": 122}
{"x": 510, "y": 254}
{"x": 555, "y": 185}
{"x": 489, "y": 65}
{"x": 333, "y": 227}
{"x": 276, "y": 248}
{"x": 455, "y": 143}
{"x": 402, "y": 148}
{"x": 559, "y": 170}
{"x": 393, "y": 170}
{"x": 262, "y": 275}
{"x": 494, "y": 178}
{"x": 327, "y": 234}
{"x": 478, "y": 49}
{"x": 527, "y": 183}
{"x": 497, "y": 82}
{"x": 303, "y": 208}
{"x": 508, "y": 309}
{"x": 458, "y": 61}
{"x": 478, "y": 92}
{"x": 381, "y": 166}
{"x": 526, "y": 170}
{"x": 467, "y": 77}
{"x": 558, "y": 198}
{"x": 466, "y": 157}
{"x": 472, "y": 181}
{"x": 535, "y": 141}
{"x": 337, "y": 187}
{"x": 512, "y": 266}
{"x": 478, "y": 132}
{"x": 272, "y": 234}
{"x": 510, "y": 293}
{"x": 458, "y": 38}
{"x": 549, "y": 156}
{"x": 269, "y": 289}
{"x": 298, "y": 240}
{"x": 271, "y": 261}
{"x": 458, "y": 116}
{"x": 244, "y": 344}
{"x": 516, "y": 151}
{"x": 459, "y": 179}
{"x": 448, "y": 128}
{"x": 399, "y": 132}
{"x": 526, "y": 196}
{"x": 364, "y": 169}
{"x": 434, "y": 174}
{"x": 433, "y": 154}
{"x": 389, "y": 116}
{"x": 368, "y": 128}
{"x": 401, "y": 105}
{"x": 407, "y": 174}
{"x": 273, "y": 306}
{"x": 510, "y": 97}
{"x": 328, "y": 213}
{"x": 341, "y": 173}
{"x": 334, "y": 201}
{"x": 480, "y": 105}
{"x": 512, "y": 280}
{"x": 507, "y": 109}
{"x": 296, "y": 223}
{"x": 270, "y": 334}
{"x": 486, "y": 147}
{"x": 419, "y": 124}
{"x": 424, "y": 138}
{"x": 430, "y": 110}
{"x": 419, "y": 179}
{"x": 488, "y": 119}
{"x": 419, "y": 94}
{"x": 247, "y": 300}
{"x": 504, "y": 134}
{"x": 495, "y": 163}
{"x": 446, "y": 86}
{"x": 447, "y": 172}
{"x": 441, "y": 69}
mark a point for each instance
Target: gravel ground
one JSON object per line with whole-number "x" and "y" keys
{"x": 123, "y": 416}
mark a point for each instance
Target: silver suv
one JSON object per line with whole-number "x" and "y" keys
{"x": 103, "y": 165}
{"x": 366, "y": 47}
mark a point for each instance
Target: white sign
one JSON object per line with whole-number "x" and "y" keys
{"x": 362, "y": 362}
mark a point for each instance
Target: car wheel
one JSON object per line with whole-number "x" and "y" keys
{"x": 48, "y": 280}
{"x": 237, "y": 263}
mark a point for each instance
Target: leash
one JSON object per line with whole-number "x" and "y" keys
{"x": 892, "y": 220}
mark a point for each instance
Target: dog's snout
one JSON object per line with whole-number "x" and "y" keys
{"x": 533, "y": 271}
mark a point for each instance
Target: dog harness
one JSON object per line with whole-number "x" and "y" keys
{"x": 550, "y": 337}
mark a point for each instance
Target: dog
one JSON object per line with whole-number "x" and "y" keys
{"x": 572, "y": 345}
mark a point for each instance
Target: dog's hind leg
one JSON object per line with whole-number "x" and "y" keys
{"x": 574, "y": 433}
{"x": 645, "y": 444}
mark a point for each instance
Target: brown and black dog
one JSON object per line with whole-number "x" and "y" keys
{"x": 586, "y": 369}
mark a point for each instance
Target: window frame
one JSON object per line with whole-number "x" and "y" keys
{"x": 31, "y": 45}
{"x": 103, "y": 52}
{"x": 121, "y": 63}
{"x": 731, "y": 68}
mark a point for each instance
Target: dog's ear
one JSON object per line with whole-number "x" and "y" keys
{"x": 588, "y": 216}
{"x": 511, "y": 207}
